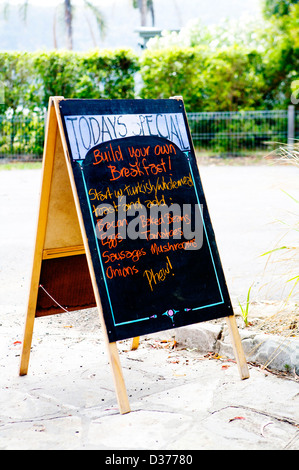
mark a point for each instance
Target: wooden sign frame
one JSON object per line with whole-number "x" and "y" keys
{"x": 61, "y": 243}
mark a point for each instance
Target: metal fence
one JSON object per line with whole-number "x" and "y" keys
{"x": 22, "y": 137}
{"x": 244, "y": 132}
{"x": 215, "y": 133}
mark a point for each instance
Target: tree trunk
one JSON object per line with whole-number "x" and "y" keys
{"x": 68, "y": 23}
{"x": 142, "y": 4}
{"x": 54, "y": 30}
{"x": 152, "y": 11}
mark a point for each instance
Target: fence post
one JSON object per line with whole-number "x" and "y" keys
{"x": 291, "y": 127}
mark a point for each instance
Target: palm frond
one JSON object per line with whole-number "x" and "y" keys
{"x": 101, "y": 22}
{"x": 5, "y": 10}
{"x": 23, "y": 9}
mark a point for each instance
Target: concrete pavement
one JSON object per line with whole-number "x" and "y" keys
{"x": 181, "y": 399}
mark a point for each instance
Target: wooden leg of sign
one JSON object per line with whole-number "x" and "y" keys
{"x": 237, "y": 346}
{"x": 27, "y": 343}
{"x": 48, "y": 161}
{"x": 119, "y": 383}
{"x": 135, "y": 343}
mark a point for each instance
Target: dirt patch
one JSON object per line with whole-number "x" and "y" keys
{"x": 272, "y": 318}
{"x": 281, "y": 324}
{"x": 269, "y": 317}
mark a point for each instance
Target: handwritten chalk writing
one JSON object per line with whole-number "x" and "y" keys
{"x": 165, "y": 218}
{"x": 124, "y": 206}
{"x": 160, "y": 221}
{"x": 109, "y": 225}
{"x": 137, "y": 169}
{"x": 101, "y": 210}
{"x": 139, "y": 152}
{"x": 134, "y": 171}
{"x": 142, "y": 187}
{"x": 197, "y": 233}
{"x": 85, "y": 132}
{"x": 155, "y": 202}
{"x": 191, "y": 244}
{"x": 118, "y": 192}
{"x": 129, "y": 169}
{"x": 158, "y": 249}
{"x": 135, "y": 255}
{"x": 148, "y": 234}
{"x": 164, "y": 149}
{"x": 107, "y": 156}
{"x": 159, "y": 276}
{"x": 160, "y": 185}
{"x": 111, "y": 242}
{"x": 99, "y": 195}
{"x": 121, "y": 272}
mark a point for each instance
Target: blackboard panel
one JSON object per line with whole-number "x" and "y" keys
{"x": 151, "y": 239}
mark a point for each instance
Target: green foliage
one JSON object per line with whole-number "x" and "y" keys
{"x": 22, "y": 135}
{"x": 292, "y": 157}
{"x": 281, "y": 56}
{"x": 221, "y": 80}
{"x": 109, "y": 74}
{"x": 219, "y": 68}
{"x": 245, "y": 309}
{"x": 231, "y": 80}
{"x": 31, "y": 78}
{"x": 15, "y": 76}
{"x": 174, "y": 71}
{"x": 247, "y": 67}
{"x": 278, "y": 8}
{"x": 55, "y": 74}
{"x": 224, "y": 67}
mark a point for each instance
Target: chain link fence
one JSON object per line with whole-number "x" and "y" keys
{"x": 215, "y": 133}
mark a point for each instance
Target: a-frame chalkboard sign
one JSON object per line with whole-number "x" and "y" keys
{"x": 123, "y": 225}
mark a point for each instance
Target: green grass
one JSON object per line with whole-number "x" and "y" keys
{"x": 245, "y": 310}
{"x": 20, "y": 166}
{"x": 285, "y": 155}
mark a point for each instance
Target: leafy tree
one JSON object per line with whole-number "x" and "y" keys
{"x": 282, "y": 55}
{"x": 175, "y": 71}
{"x": 15, "y": 76}
{"x": 253, "y": 66}
{"x": 96, "y": 74}
{"x": 232, "y": 81}
{"x": 30, "y": 78}
{"x": 277, "y": 8}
